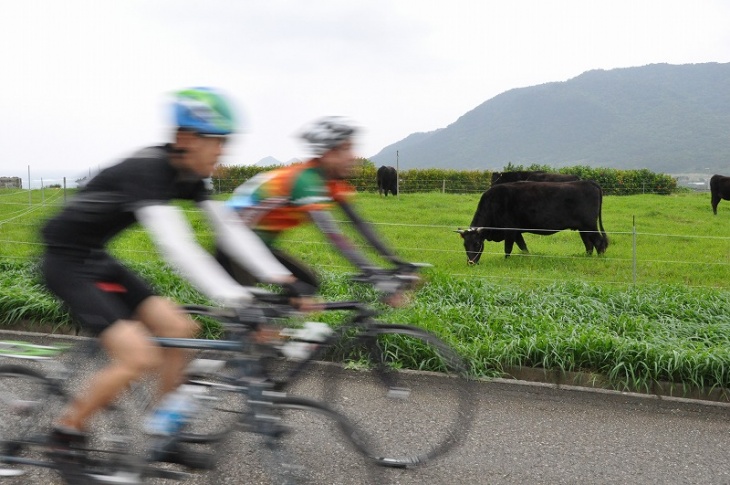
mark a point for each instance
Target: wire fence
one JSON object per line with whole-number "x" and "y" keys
{"x": 446, "y": 186}
{"x": 406, "y": 185}
{"x": 631, "y": 255}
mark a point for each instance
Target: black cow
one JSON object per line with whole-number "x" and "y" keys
{"x": 720, "y": 189}
{"x": 533, "y": 176}
{"x": 505, "y": 211}
{"x": 387, "y": 180}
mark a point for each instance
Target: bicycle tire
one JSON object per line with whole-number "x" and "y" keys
{"x": 410, "y": 417}
{"x": 290, "y": 452}
{"x": 29, "y": 401}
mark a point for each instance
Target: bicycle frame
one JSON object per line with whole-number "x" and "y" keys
{"x": 261, "y": 393}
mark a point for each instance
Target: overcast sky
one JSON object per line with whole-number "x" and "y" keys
{"x": 84, "y": 82}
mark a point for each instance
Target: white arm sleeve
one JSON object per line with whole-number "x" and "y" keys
{"x": 173, "y": 235}
{"x": 242, "y": 244}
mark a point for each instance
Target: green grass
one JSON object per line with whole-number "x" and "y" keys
{"x": 555, "y": 308}
{"x": 668, "y": 249}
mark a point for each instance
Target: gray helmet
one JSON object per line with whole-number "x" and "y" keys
{"x": 327, "y": 133}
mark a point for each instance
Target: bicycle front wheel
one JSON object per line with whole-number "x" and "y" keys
{"x": 406, "y": 389}
{"x": 28, "y": 404}
{"x": 299, "y": 441}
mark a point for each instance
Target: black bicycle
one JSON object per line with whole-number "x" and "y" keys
{"x": 363, "y": 376}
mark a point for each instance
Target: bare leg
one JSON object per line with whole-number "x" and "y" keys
{"x": 131, "y": 354}
{"x": 164, "y": 319}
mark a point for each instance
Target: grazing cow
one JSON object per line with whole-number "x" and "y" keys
{"x": 505, "y": 211}
{"x": 720, "y": 189}
{"x": 538, "y": 176}
{"x": 387, "y": 178}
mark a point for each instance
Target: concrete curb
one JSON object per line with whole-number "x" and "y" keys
{"x": 597, "y": 382}
{"x": 516, "y": 376}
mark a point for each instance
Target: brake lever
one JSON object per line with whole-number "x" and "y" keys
{"x": 266, "y": 296}
{"x": 411, "y": 268}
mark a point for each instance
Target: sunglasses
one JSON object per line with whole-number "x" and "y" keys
{"x": 222, "y": 139}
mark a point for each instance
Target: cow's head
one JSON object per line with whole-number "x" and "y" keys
{"x": 473, "y": 243}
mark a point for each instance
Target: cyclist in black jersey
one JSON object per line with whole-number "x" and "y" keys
{"x": 111, "y": 301}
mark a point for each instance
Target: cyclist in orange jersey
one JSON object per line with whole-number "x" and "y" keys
{"x": 272, "y": 202}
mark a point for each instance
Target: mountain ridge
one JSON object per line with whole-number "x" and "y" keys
{"x": 663, "y": 117}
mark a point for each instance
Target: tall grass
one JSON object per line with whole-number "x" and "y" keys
{"x": 555, "y": 308}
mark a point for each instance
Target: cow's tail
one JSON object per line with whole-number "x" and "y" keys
{"x": 603, "y": 235}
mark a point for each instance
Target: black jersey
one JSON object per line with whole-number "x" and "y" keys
{"x": 106, "y": 206}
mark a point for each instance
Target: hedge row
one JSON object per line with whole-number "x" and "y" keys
{"x": 626, "y": 182}
{"x": 613, "y": 181}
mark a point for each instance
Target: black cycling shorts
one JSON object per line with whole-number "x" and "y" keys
{"x": 96, "y": 288}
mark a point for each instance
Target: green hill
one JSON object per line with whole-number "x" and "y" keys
{"x": 666, "y": 118}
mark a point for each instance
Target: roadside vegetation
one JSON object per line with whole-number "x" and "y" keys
{"x": 655, "y": 307}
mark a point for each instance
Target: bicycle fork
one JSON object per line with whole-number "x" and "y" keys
{"x": 262, "y": 417}
{"x": 386, "y": 375}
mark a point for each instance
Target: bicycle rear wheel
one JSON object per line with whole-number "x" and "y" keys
{"x": 28, "y": 404}
{"x": 408, "y": 390}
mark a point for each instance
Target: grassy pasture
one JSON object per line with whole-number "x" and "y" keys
{"x": 554, "y": 308}
{"x": 677, "y": 241}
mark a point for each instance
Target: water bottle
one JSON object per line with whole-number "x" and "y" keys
{"x": 173, "y": 411}
{"x": 304, "y": 340}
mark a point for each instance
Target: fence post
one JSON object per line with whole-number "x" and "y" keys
{"x": 397, "y": 175}
{"x": 443, "y": 186}
{"x": 633, "y": 238}
{"x": 64, "y": 190}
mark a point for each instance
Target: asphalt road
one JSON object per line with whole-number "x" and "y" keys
{"x": 523, "y": 433}
{"x": 528, "y": 434}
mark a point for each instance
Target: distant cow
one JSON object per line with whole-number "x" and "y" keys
{"x": 533, "y": 176}
{"x": 720, "y": 189}
{"x": 505, "y": 211}
{"x": 387, "y": 180}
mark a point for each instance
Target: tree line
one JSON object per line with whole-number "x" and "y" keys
{"x": 613, "y": 181}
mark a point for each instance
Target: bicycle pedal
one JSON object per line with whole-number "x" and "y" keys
{"x": 178, "y": 455}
